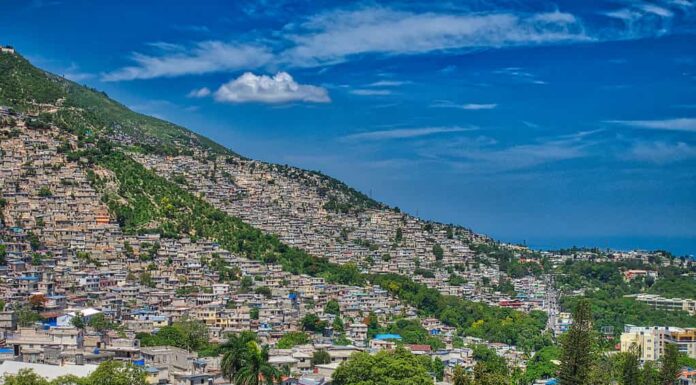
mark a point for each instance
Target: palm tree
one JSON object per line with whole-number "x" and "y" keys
{"x": 255, "y": 369}
{"x": 234, "y": 350}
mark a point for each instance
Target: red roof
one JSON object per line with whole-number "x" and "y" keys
{"x": 418, "y": 348}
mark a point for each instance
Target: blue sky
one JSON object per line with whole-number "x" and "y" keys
{"x": 556, "y": 123}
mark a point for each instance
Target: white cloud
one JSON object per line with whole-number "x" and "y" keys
{"x": 404, "y": 133}
{"x": 339, "y": 35}
{"x": 199, "y": 93}
{"x": 468, "y": 106}
{"x": 678, "y": 124}
{"x": 388, "y": 83}
{"x": 332, "y": 37}
{"x": 661, "y": 152}
{"x": 281, "y": 88}
{"x": 368, "y": 92}
{"x": 204, "y": 57}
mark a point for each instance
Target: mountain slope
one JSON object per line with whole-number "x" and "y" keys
{"x": 158, "y": 178}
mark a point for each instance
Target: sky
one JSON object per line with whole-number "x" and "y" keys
{"x": 550, "y": 123}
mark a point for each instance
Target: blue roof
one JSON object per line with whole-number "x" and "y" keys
{"x": 387, "y": 337}
{"x": 29, "y": 278}
{"x": 6, "y": 350}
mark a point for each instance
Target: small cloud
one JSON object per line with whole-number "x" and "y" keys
{"x": 193, "y": 28}
{"x": 387, "y": 83}
{"x": 404, "y": 133}
{"x": 199, "y": 93}
{"x": 468, "y": 106}
{"x": 678, "y": 124}
{"x": 281, "y": 88}
{"x": 367, "y": 92}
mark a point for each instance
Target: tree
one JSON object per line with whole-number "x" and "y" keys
{"x": 37, "y": 301}
{"x": 193, "y": 332}
{"x": 254, "y": 313}
{"x": 460, "y": 376}
{"x": 45, "y": 192}
{"x": 438, "y": 368}
{"x": 99, "y": 323}
{"x": 246, "y": 283}
{"x": 320, "y": 357}
{"x": 577, "y": 346}
{"x": 386, "y": 367}
{"x": 669, "y": 370}
{"x": 312, "y": 323}
{"x": 338, "y": 325}
{"x": 438, "y": 252}
{"x": 290, "y": 339}
{"x": 117, "y": 373}
{"x": 25, "y": 377}
{"x": 630, "y": 370}
{"x": 399, "y": 235}
{"x": 332, "y": 307}
{"x": 233, "y": 351}
{"x": 255, "y": 368}
{"x": 264, "y": 290}
{"x": 78, "y": 321}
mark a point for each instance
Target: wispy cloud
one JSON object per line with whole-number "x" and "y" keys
{"x": 281, "y": 88}
{"x": 677, "y": 124}
{"x": 467, "y": 106}
{"x": 370, "y": 92}
{"x": 388, "y": 83}
{"x": 520, "y": 74}
{"x": 661, "y": 152}
{"x": 334, "y": 36}
{"x": 339, "y": 35}
{"x": 204, "y": 57}
{"x": 199, "y": 93}
{"x": 404, "y": 133}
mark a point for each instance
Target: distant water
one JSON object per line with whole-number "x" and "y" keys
{"x": 676, "y": 245}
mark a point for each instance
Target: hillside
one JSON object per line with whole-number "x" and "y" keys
{"x": 90, "y": 181}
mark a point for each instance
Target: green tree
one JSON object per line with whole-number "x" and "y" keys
{"x": 332, "y": 307}
{"x": 630, "y": 369}
{"x": 438, "y": 252}
{"x": 320, "y": 357}
{"x": 117, "y": 373}
{"x": 233, "y": 351}
{"x": 577, "y": 357}
{"x": 25, "y": 377}
{"x": 669, "y": 369}
{"x": 460, "y": 376}
{"x": 100, "y": 323}
{"x": 312, "y": 323}
{"x": 255, "y": 368}
{"x": 45, "y": 192}
{"x": 254, "y": 313}
{"x": 290, "y": 339}
{"x": 438, "y": 368}
{"x": 194, "y": 333}
{"x": 78, "y": 321}
{"x": 398, "y": 367}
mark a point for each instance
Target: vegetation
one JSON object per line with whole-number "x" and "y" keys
{"x": 245, "y": 362}
{"x": 154, "y": 200}
{"x": 577, "y": 348}
{"x": 291, "y": 339}
{"x": 188, "y": 334}
{"x": 471, "y": 318}
{"x": 320, "y": 357}
{"x": 384, "y": 368}
{"x": 108, "y": 373}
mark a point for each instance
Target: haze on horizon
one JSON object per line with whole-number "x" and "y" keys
{"x": 557, "y": 123}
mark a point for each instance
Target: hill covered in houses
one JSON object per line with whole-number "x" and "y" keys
{"x": 143, "y": 239}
